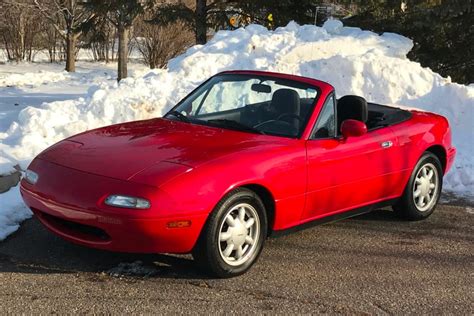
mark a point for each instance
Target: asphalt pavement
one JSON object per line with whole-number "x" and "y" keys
{"x": 370, "y": 264}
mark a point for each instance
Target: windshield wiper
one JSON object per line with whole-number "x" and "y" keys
{"x": 235, "y": 125}
{"x": 180, "y": 116}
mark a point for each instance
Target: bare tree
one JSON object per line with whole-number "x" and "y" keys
{"x": 160, "y": 43}
{"x": 122, "y": 14}
{"x": 18, "y": 29}
{"x": 100, "y": 36}
{"x": 73, "y": 15}
{"x": 50, "y": 40}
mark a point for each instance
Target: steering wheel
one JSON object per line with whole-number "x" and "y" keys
{"x": 289, "y": 115}
{"x": 268, "y": 122}
{"x": 280, "y": 119}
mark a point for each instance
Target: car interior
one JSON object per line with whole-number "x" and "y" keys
{"x": 373, "y": 115}
{"x": 286, "y": 113}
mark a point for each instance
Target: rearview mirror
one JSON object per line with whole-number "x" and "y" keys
{"x": 258, "y": 87}
{"x": 353, "y": 128}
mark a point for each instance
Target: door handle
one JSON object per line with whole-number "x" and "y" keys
{"x": 386, "y": 144}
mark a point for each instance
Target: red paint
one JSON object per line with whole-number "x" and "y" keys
{"x": 353, "y": 128}
{"x": 185, "y": 169}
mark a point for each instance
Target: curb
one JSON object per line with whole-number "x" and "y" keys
{"x": 9, "y": 181}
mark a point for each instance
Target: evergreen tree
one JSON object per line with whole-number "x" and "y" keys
{"x": 213, "y": 14}
{"x": 279, "y": 13}
{"x": 442, "y": 31}
{"x": 197, "y": 16}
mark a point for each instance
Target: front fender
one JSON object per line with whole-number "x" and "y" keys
{"x": 281, "y": 170}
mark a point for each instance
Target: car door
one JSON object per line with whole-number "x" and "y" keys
{"x": 345, "y": 174}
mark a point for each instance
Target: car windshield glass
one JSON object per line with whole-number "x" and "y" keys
{"x": 250, "y": 103}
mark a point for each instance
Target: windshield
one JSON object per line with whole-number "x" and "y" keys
{"x": 251, "y": 103}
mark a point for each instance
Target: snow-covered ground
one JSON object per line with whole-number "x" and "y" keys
{"x": 352, "y": 60}
{"x": 12, "y": 212}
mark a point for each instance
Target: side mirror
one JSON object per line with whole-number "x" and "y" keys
{"x": 353, "y": 128}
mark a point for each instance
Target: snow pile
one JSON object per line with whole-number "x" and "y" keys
{"x": 12, "y": 212}
{"x": 354, "y": 61}
{"x": 6, "y": 165}
{"x": 32, "y": 79}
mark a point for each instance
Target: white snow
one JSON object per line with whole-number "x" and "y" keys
{"x": 32, "y": 79}
{"x": 354, "y": 61}
{"x": 12, "y": 212}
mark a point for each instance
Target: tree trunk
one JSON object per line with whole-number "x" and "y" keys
{"x": 70, "y": 53}
{"x": 122, "y": 53}
{"x": 106, "y": 50}
{"x": 114, "y": 39}
{"x": 7, "y": 48}
{"x": 201, "y": 23}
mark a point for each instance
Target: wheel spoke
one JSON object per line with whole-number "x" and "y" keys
{"x": 430, "y": 174}
{"x": 248, "y": 240}
{"x": 421, "y": 200}
{"x": 239, "y": 252}
{"x": 228, "y": 249}
{"x": 249, "y": 223}
{"x": 418, "y": 181}
{"x": 432, "y": 186}
{"x": 417, "y": 193}
{"x": 225, "y": 236}
{"x": 424, "y": 172}
{"x": 428, "y": 198}
{"x": 242, "y": 214}
{"x": 230, "y": 220}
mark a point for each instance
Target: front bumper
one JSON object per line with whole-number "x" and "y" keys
{"x": 67, "y": 202}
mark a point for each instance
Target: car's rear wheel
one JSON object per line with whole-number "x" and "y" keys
{"x": 233, "y": 236}
{"x": 422, "y": 193}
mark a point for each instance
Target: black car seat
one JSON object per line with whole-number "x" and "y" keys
{"x": 286, "y": 101}
{"x": 351, "y": 107}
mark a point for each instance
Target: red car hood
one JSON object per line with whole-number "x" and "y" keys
{"x": 124, "y": 150}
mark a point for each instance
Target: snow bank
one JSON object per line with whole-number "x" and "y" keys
{"x": 354, "y": 61}
{"x": 32, "y": 79}
{"x": 12, "y": 212}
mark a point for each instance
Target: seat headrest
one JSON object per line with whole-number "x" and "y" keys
{"x": 352, "y": 107}
{"x": 286, "y": 101}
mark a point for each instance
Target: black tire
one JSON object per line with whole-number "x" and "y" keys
{"x": 208, "y": 252}
{"x": 409, "y": 209}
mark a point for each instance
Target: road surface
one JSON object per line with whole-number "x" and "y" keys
{"x": 372, "y": 264}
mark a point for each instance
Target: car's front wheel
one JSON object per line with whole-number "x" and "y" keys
{"x": 233, "y": 236}
{"x": 423, "y": 190}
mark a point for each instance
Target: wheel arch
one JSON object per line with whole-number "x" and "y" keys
{"x": 440, "y": 152}
{"x": 268, "y": 201}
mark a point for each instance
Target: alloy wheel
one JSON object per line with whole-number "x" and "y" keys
{"x": 238, "y": 234}
{"x": 425, "y": 187}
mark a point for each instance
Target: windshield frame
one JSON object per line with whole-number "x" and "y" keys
{"x": 250, "y": 75}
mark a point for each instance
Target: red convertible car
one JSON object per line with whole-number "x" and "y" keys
{"x": 244, "y": 156}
